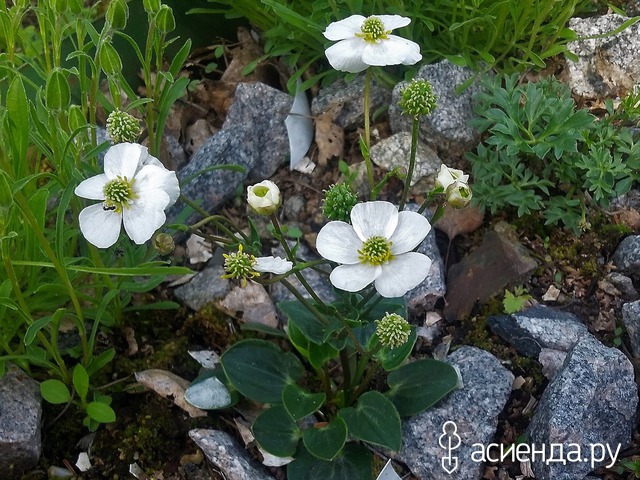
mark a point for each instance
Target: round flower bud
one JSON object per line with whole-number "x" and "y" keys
{"x": 164, "y": 244}
{"x": 123, "y": 127}
{"x": 447, "y": 176}
{"x": 118, "y": 14}
{"x": 393, "y": 330}
{"x": 417, "y": 98}
{"x": 110, "y": 59}
{"x": 338, "y": 202}
{"x": 264, "y": 197}
{"x": 459, "y": 194}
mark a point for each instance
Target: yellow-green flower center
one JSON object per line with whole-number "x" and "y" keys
{"x": 393, "y": 330}
{"x": 375, "y": 251}
{"x": 260, "y": 191}
{"x": 373, "y": 30}
{"x": 239, "y": 265}
{"x": 118, "y": 193}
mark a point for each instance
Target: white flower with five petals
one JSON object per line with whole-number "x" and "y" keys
{"x": 135, "y": 189}
{"x": 366, "y": 41}
{"x": 376, "y": 247}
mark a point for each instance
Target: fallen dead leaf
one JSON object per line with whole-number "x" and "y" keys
{"x": 171, "y": 386}
{"x": 250, "y": 304}
{"x": 329, "y": 136}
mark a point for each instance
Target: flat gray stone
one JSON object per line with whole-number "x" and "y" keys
{"x": 263, "y": 110}
{"x": 348, "y": 99}
{"x": 20, "y": 418}
{"x": 212, "y": 188}
{"x": 228, "y": 455}
{"x": 474, "y": 409}
{"x": 447, "y": 128}
{"x": 631, "y": 321}
{"x": 606, "y": 67}
{"x": 539, "y": 327}
{"x": 624, "y": 285}
{"x": 395, "y": 151}
{"x": 207, "y": 286}
{"x": 592, "y": 400}
{"x": 627, "y": 256}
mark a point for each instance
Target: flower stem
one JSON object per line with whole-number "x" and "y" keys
{"x": 367, "y": 129}
{"x": 412, "y": 162}
{"x": 365, "y": 381}
{"x": 346, "y": 375}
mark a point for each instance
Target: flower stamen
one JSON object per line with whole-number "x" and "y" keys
{"x": 240, "y": 265}
{"x": 118, "y": 193}
{"x": 375, "y": 251}
{"x": 373, "y": 30}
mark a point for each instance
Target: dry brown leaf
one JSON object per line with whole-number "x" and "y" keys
{"x": 456, "y": 222}
{"x": 250, "y": 304}
{"x": 246, "y": 52}
{"x": 329, "y": 136}
{"x": 171, "y": 386}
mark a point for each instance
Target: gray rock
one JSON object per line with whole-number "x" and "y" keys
{"x": 627, "y": 256}
{"x": 20, "y": 416}
{"x": 498, "y": 263}
{"x": 624, "y": 285}
{"x": 226, "y": 453}
{"x": 448, "y": 126}
{"x": 474, "y": 409}
{"x": 207, "y": 286}
{"x": 538, "y": 327}
{"x": 293, "y": 206}
{"x": 262, "y": 109}
{"x": 608, "y": 66}
{"x": 551, "y": 361}
{"x": 592, "y": 400}
{"x": 214, "y": 187}
{"x": 395, "y": 151}
{"x": 423, "y": 297}
{"x": 631, "y": 321}
{"x": 348, "y": 99}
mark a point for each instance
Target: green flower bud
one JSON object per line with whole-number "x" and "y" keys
{"x": 459, "y": 194}
{"x": 163, "y": 243}
{"x": 392, "y": 330}
{"x": 264, "y": 197}
{"x": 151, "y": 6}
{"x": 109, "y": 59}
{"x": 417, "y": 98}
{"x": 165, "y": 19}
{"x": 118, "y": 14}
{"x": 123, "y": 127}
{"x": 240, "y": 265}
{"x": 59, "y": 6}
{"x": 338, "y": 202}
{"x": 58, "y": 93}
{"x": 76, "y": 118}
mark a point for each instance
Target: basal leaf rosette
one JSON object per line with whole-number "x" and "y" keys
{"x": 376, "y": 248}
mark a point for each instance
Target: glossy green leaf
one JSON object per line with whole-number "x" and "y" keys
{"x": 277, "y": 432}
{"x": 326, "y": 440}
{"x": 354, "y": 462}
{"x": 305, "y": 322}
{"x": 374, "y": 419}
{"x": 81, "y": 381}
{"x": 54, "y": 391}
{"x": 101, "y": 412}
{"x": 320, "y": 354}
{"x": 300, "y": 403}
{"x": 418, "y": 385}
{"x": 58, "y": 92}
{"x": 393, "y": 358}
{"x": 259, "y": 370}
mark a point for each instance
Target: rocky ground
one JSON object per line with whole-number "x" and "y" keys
{"x": 560, "y": 371}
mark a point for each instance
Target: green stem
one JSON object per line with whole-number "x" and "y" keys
{"x": 365, "y": 381}
{"x": 412, "y": 162}
{"x": 345, "y": 361}
{"x": 367, "y": 128}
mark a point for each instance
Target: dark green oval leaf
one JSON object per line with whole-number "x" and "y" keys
{"x": 326, "y": 441}
{"x": 277, "y": 432}
{"x": 354, "y": 462}
{"x": 300, "y": 403}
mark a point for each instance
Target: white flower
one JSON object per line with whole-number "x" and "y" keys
{"x": 459, "y": 194}
{"x": 275, "y": 265}
{"x": 447, "y": 176}
{"x": 366, "y": 41}
{"x": 264, "y": 197}
{"x": 376, "y": 247}
{"x": 135, "y": 189}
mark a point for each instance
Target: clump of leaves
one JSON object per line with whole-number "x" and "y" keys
{"x": 516, "y": 301}
{"x": 545, "y": 155}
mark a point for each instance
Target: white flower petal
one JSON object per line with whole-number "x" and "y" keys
{"x": 391, "y": 22}
{"x": 275, "y": 265}
{"x": 371, "y": 219}
{"x": 411, "y": 230}
{"x": 152, "y": 177}
{"x": 145, "y": 215}
{"x": 345, "y": 28}
{"x": 99, "y": 226}
{"x": 123, "y": 160}
{"x": 354, "y": 278}
{"x": 392, "y": 51}
{"x": 338, "y": 242}
{"x": 346, "y": 55}
{"x": 92, "y": 188}
{"x": 403, "y": 273}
